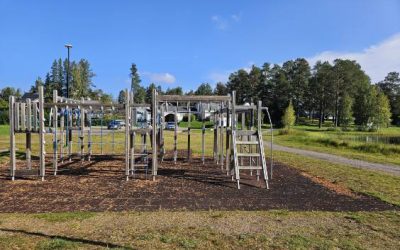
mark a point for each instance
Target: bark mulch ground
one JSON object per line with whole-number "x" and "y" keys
{"x": 100, "y": 185}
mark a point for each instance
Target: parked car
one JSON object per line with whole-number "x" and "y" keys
{"x": 121, "y": 122}
{"x": 170, "y": 125}
{"x": 114, "y": 125}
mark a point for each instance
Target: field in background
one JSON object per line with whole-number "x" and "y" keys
{"x": 351, "y": 144}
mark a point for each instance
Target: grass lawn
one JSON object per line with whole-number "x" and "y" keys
{"x": 343, "y": 143}
{"x": 201, "y": 229}
{"x": 219, "y": 229}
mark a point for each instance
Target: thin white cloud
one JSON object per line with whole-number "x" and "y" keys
{"x": 160, "y": 77}
{"x": 219, "y": 76}
{"x": 222, "y": 23}
{"x": 223, "y": 76}
{"x": 376, "y": 60}
{"x": 237, "y": 17}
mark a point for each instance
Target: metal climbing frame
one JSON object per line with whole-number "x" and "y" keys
{"x": 232, "y": 147}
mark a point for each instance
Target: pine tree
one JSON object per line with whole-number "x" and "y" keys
{"x": 220, "y": 89}
{"x": 121, "y": 97}
{"x": 138, "y": 91}
{"x": 289, "y": 117}
{"x": 204, "y": 89}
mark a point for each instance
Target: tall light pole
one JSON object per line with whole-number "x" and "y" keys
{"x": 68, "y": 46}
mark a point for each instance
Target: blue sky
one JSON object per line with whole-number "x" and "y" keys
{"x": 184, "y": 43}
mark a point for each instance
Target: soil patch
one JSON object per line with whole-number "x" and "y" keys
{"x": 100, "y": 185}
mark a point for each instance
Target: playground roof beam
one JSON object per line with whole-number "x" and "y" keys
{"x": 192, "y": 98}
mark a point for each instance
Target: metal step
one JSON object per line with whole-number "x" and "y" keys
{"x": 251, "y": 167}
{"x": 249, "y": 154}
{"x": 140, "y": 165}
{"x": 246, "y": 133}
{"x": 26, "y": 172}
{"x": 247, "y": 142}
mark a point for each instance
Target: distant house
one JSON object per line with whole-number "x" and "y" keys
{"x": 33, "y": 96}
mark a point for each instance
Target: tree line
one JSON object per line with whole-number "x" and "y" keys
{"x": 80, "y": 81}
{"x": 340, "y": 91}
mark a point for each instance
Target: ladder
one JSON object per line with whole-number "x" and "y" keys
{"x": 247, "y": 145}
{"x": 249, "y": 154}
{"x": 140, "y": 155}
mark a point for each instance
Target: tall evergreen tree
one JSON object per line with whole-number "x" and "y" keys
{"x": 149, "y": 92}
{"x": 204, "y": 89}
{"x": 391, "y": 88}
{"x": 138, "y": 91}
{"x": 220, "y": 89}
{"x": 298, "y": 73}
{"x": 174, "y": 91}
{"x": 121, "y": 97}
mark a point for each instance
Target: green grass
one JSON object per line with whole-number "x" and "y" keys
{"x": 202, "y": 230}
{"x": 342, "y": 143}
{"x": 196, "y": 124}
{"x": 4, "y": 130}
{"x": 57, "y": 244}
{"x": 62, "y": 217}
{"x": 378, "y": 184}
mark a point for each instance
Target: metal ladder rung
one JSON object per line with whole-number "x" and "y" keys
{"x": 141, "y": 165}
{"x": 248, "y": 154}
{"x": 251, "y": 167}
{"x": 247, "y": 142}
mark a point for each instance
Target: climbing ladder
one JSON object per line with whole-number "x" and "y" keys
{"x": 248, "y": 147}
{"x": 139, "y": 153}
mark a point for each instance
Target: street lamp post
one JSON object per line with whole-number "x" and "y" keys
{"x": 68, "y": 46}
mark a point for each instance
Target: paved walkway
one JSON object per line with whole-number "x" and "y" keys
{"x": 392, "y": 169}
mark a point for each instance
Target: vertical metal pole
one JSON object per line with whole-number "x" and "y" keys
{"x": 203, "y": 132}
{"x": 90, "y": 134}
{"x": 162, "y": 149}
{"x": 62, "y": 135}
{"x": 132, "y": 153}
{"x": 127, "y": 129}
{"x": 228, "y": 124}
{"x": 29, "y": 135}
{"x": 154, "y": 133}
{"x": 69, "y": 130}
{"x": 176, "y": 134}
{"x": 12, "y": 137}
{"x": 113, "y": 132}
{"x": 101, "y": 130}
{"x": 55, "y": 124}
{"x": 234, "y": 127}
{"x": 41, "y": 134}
{"x": 188, "y": 129}
{"x": 221, "y": 131}
{"x": 132, "y": 138}
{"x": 82, "y": 136}
{"x": 68, "y": 73}
{"x": 215, "y": 151}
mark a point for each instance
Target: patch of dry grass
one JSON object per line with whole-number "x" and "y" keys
{"x": 206, "y": 230}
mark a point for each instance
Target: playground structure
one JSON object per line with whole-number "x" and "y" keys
{"x": 235, "y": 148}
